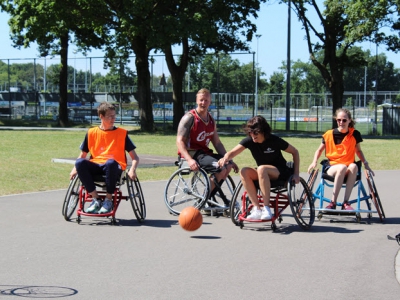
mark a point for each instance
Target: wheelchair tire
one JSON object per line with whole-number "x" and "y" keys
{"x": 236, "y": 205}
{"x": 136, "y": 198}
{"x": 71, "y": 198}
{"x": 186, "y": 188}
{"x": 373, "y": 192}
{"x": 301, "y": 203}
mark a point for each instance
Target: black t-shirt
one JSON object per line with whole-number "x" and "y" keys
{"x": 338, "y": 136}
{"x": 268, "y": 152}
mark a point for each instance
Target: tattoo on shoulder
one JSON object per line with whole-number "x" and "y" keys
{"x": 185, "y": 125}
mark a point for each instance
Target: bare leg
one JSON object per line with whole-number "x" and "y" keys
{"x": 265, "y": 175}
{"x": 352, "y": 171}
{"x": 339, "y": 172}
{"x": 248, "y": 176}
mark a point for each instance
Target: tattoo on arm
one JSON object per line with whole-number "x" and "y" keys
{"x": 184, "y": 126}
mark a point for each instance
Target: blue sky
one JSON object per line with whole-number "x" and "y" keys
{"x": 272, "y": 45}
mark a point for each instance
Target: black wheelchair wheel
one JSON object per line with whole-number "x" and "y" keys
{"x": 136, "y": 198}
{"x": 186, "y": 188}
{"x": 236, "y": 206}
{"x": 373, "y": 192}
{"x": 301, "y": 203}
{"x": 71, "y": 198}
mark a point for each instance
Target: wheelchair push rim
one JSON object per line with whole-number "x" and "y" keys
{"x": 186, "y": 188}
{"x": 71, "y": 198}
{"x": 136, "y": 198}
{"x": 301, "y": 203}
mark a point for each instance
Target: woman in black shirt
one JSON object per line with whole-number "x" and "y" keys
{"x": 271, "y": 165}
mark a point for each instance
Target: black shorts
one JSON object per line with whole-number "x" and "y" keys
{"x": 208, "y": 162}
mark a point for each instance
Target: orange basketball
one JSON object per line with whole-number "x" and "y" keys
{"x": 190, "y": 219}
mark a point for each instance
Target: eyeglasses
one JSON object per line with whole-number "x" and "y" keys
{"x": 111, "y": 117}
{"x": 342, "y": 120}
{"x": 254, "y": 131}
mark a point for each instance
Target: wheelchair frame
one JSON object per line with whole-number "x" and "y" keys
{"x": 362, "y": 195}
{"x": 192, "y": 188}
{"x": 282, "y": 195}
{"x": 77, "y": 197}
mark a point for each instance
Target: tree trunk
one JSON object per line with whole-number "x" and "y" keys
{"x": 177, "y": 74}
{"x": 143, "y": 83}
{"x": 63, "y": 82}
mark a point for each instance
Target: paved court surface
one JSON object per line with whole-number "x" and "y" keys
{"x": 43, "y": 256}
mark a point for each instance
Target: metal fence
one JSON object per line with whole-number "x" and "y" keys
{"x": 308, "y": 112}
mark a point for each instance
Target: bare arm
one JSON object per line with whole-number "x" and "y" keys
{"x": 316, "y": 157}
{"x": 296, "y": 160}
{"x": 182, "y": 139}
{"x": 135, "y": 162}
{"x": 231, "y": 154}
{"x": 361, "y": 156}
{"x": 73, "y": 173}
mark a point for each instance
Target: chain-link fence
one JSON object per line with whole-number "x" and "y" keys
{"x": 35, "y": 95}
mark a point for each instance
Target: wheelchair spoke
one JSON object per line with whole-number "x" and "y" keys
{"x": 186, "y": 188}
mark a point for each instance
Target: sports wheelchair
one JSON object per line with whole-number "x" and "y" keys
{"x": 282, "y": 194}
{"x": 77, "y": 196}
{"x": 192, "y": 188}
{"x": 362, "y": 195}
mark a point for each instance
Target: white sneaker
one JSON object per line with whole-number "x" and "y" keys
{"x": 106, "y": 207}
{"x": 255, "y": 214}
{"x": 266, "y": 213}
{"x": 94, "y": 207}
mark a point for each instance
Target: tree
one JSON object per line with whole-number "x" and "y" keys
{"x": 344, "y": 23}
{"x": 52, "y": 24}
{"x": 200, "y": 26}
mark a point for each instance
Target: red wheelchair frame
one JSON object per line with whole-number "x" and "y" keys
{"x": 77, "y": 196}
{"x": 283, "y": 194}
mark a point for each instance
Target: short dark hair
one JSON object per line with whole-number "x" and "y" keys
{"x": 258, "y": 123}
{"x": 104, "y": 107}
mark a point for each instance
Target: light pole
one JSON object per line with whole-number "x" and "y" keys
{"x": 288, "y": 72}
{"x": 256, "y": 85}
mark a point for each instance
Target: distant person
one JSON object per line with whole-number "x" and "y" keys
{"x": 107, "y": 145}
{"x": 196, "y": 130}
{"x": 266, "y": 149}
{"x": 340, "y": 145}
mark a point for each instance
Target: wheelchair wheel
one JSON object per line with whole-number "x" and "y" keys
{"x": 374, "y": 195}
{"x": 186, "y": 188}
{"x": 71, "y": 198}
{"x": 136, "y": 197}
{"x": 236, "y": 205}
{"x": 301, "y": 203}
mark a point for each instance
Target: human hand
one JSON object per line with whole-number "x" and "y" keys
{"x": 296, "y": 178}
{"x": 132, "y": 174}
{"x": 193, "y": 165}
{"x": 312, "y": 167}
{"x": 369, "y": 169}
{"x": 73, "y": 174}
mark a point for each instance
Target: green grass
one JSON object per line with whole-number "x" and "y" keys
{"x": 26, "y": 156}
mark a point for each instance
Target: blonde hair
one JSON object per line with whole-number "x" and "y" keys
{"x": 203, "y": 91}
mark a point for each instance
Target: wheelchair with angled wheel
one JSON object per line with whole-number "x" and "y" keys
{"x": 282, "y": 194}
{"x": 362, "y": 199}
{"x": 192, "y": 188}
{"x": 78, "y": 199}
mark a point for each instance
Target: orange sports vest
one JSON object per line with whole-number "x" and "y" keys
{"x": 105, "y": 145}
{"x": 342, "y": 153}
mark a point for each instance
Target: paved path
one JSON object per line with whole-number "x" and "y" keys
{"x": 45, "y": 256}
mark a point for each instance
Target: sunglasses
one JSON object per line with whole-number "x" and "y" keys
{"x": 254, "y": 131}
{"x": 341, "y": 120}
